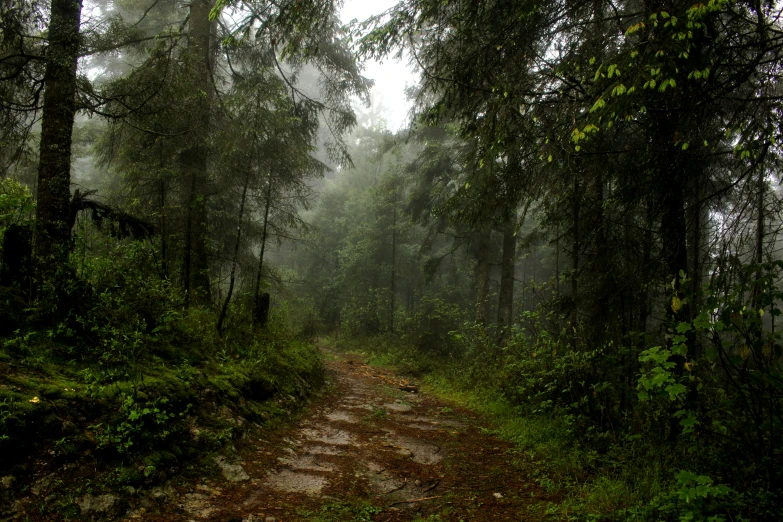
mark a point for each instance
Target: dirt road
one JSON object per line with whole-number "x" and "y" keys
{"x": 371, "y": 450}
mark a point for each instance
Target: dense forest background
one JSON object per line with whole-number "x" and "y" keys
{"x": 577, "y": 233}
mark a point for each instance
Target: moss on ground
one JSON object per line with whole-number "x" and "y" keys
{"x": 118, "y": 428}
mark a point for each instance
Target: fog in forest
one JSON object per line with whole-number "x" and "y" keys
{"x": 560, "y": 218}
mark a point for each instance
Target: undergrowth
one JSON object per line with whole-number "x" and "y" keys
{"x": 131, "y": 388}
{"x": 595, "y": 472}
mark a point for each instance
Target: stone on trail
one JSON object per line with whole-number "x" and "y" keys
{"x": 293, "y": 482}
{"x": 398, "y": 407}
{"x": 342, "y": 416}
{"x": 100, "y": 505}
{"x": 232, "y": 472}
{"x": 197, "y": 504}
{"x": 304, "y": 462}
{"x": 328, "y": 435}
{"x": 324, "y": 450}
{"x": 421, "y": 451}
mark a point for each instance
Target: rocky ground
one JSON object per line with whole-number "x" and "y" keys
{"x": 375, "y": 448}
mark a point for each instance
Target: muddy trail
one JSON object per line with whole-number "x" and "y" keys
{"x": 375, "y": 448}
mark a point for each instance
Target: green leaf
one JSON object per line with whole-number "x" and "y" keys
{"x": 599, "y": 104}
{"x": 683, "y": 327}
{"x": 675, "y": 390}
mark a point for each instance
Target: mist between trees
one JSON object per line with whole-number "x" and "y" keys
{"x": 580, "y": 225}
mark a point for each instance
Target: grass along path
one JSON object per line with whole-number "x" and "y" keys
{"x": 372, "y": 449}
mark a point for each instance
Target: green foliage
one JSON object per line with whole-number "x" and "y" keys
{"x": 430, "y": 325}
{"x": 16, "y": 204}
{"x": 138, "y": 426}
{"x": 693, "y": 498}
{"x": 343, "y": 511}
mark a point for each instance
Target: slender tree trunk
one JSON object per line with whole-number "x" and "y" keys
{"x": 52, "y": 233}
{"x": 187, "y": 264}
{"x": 506, "y": 297}
{"x": 647, "y": 244}
{"x": 164, "y": 239}
{"x": 393, "y": 264}
{"x": 696, "y": 210}
{"x": 557, "y": 260}
{"x": 602, "y": 314}
{"x": 760, "y": 217}
{"x": 575, "y": 255}
{"x": 482, "y": 275}
{"x": 235, "y": 262}
{"x": 262, "y": 304}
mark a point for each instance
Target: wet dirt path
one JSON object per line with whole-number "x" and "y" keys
{"x": 373, "y": 449}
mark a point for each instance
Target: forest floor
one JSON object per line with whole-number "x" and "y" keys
{"x": 373, "y": 448}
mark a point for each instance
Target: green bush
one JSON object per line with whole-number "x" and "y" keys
{"x": 429, "y": 327}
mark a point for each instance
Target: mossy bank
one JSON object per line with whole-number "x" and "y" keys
{"x": 85, "y": 436}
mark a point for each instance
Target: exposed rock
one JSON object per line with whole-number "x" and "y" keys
{"x": 43, "y": 485}
{"x": 342, "y": 416}
{"x": 100, "y": 505}
{"x": 328, "y": 435}
{"x": 293, "y": 482}
{"x": 399, "y": 407}
{"x": 159, "y": 494}
{"x": 197, "y": 505}
{"x": 232, "y": 472}
{"x": 305, "y": 462}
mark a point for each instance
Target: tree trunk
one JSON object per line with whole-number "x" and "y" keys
{"x": 197, "y": 282}
{"x": 482, "y": 275}
{"x": 393, "y": 264}
{"x": 52, "y": 232}
{"x": 232, "y": 277}
{"x": 506, "y": 297}
{"x": 674, "y": 237}
{"x": 262, "y": 304}
{"x": 760, "y": 217}
{"x": 164, "y": 239}
{"x": 575, "y": 256}
{"x": 557, "y": 260}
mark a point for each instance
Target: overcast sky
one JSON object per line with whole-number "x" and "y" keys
{"x": 391, "y": 76}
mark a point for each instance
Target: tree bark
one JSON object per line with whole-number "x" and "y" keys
{"x": 261, "y": 310}
{"x": 52, "y": 233}
{"x": 575, "y": 255}
{"x": 393, "y": 263}
{"x": 482, "y": 275}
{"x": 232, "y": 277}
{"x": 760, "y": 217}
{"x": 197, "y": 278}
{"x": 506, "y": 297}
{"x": 164, "y": 238}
